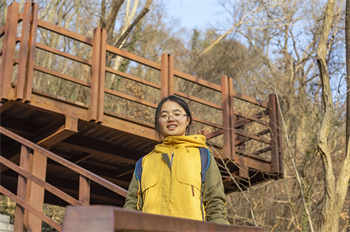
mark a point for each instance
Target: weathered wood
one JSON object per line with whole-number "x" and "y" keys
{"x": 8, "y": 50}
{"x": 30, "y": 209}
{"x": 225, "y": 116}
{"x": 84, "y": 190}
{"x": 196, "y": 99}
{"x": 101, "y": 77}
{"x": 164, "y": 78}
{"x": 21, "y": 189}
{"x": 63, "y": 54}
{"x": 70, "y": 128}
{"x": 26, "y": 176}
{"x": 197, "y": 80}
{"x": 65, "y": 163}
{"x": 95, "y": 72}
{"x": 130, "y": 77}
{"x": 36, "y": 192}
{"x": 133, "y": 57}
{"x": 31, "y": 55}
{"x": 65, "y": 32}
{"x": 108, "y": 219}
{"x": 23, "y": 51}
{"x": 274, "y": 134}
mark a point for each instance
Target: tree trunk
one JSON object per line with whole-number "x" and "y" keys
{"x": 347, "y": 43}
{"x": 335, "y": 188}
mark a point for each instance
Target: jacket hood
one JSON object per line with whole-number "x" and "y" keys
{"x": 182, "y": 141}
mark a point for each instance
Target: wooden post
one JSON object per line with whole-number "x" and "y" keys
{"x": 8, "y": 52}
{"x": 95, "y": 71}
{"x": 279, "y": 139}
{"x": 84, "y": 190}
{"x": 226, "y": 115}
{"x": 31, "y": 55}
{"x": 170, "y": 74}
{"x": 164, "y": 76}
{"x": 22, "y": 189}
{"x": 36, "y": 192}
{"x": 274, "y": 139}
{"x": 232, "y": 119}
{"x": 101, "y": 77}
{"x": 23, "y": 51}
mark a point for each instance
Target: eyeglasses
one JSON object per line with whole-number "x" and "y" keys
{"x": 176, "y": 117}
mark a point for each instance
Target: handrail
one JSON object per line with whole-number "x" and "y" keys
{"x": 31, "y": 209}
{"x": 66, "y": 163}
{"x": 65, "y": 32}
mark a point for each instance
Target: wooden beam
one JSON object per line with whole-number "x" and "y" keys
{"x": 70, "y": 128}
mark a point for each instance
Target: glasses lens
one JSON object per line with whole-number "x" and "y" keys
{"x": 165, "y": 117}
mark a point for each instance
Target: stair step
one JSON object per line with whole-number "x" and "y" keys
{"x": 6, "y": 227}
{"x": 4, "y": 218}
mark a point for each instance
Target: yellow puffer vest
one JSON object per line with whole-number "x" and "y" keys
{"x": 171, "y": 180}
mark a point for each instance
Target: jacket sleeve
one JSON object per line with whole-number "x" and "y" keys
{"x": 214, "y": 198}
{"x": 132, "y": 200}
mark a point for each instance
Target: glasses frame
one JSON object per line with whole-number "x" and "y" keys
{"x": 171, "y": 115}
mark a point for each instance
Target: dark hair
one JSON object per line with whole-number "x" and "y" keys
{"x": 179, "y": 101}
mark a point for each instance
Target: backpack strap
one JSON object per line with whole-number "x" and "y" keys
{"x": 138, "y": 174}
{"x": 205, "y": 161}
{"x": 138, "y": 169}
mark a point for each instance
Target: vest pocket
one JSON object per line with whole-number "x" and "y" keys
{"x": 189, "y": 174}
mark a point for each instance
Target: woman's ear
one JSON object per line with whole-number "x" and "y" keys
{"x": 188, "y": 120}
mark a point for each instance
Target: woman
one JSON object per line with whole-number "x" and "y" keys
{"x": 168, "y": 181}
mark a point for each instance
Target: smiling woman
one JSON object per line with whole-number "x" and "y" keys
{"x": 179, "y": 177}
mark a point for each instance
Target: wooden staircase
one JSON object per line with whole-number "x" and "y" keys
{"x": 82, "y": 151}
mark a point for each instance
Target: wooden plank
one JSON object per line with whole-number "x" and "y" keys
{"x": 64, "y": 32}
{"x": 164, "y": 79}
{"x": 23, "y": 51}
{"x": 170, "y": 74}
{"x": 133, "y": 57}
{"x": 64, "y": 162}
{"x": 250, "y": 100}
{"x": 101, "y": 77}
{"x": 21, "y": 188}
{"x": 197, "y": 80}
{"x": 31, "y": 56}
{"x": 130, "y": 77}
{"x": 213, "y": 124}
{"x": 38, "y": 181}
{"x": 245, "y": 139}
{"x": 250, "y": 119}
{"x": 196, "y": 99}
{"x": 279, "y": 139}
{"x": 63, "y": 54}
{"x": 108, "y": 219}
{"x": 8, "y": 50}
{"x": 36, "y": 192}
{"x": 95, "y": 72}
{"x": 131, "y": 98}
{"x": 232, "y": 118}
{"x": 274, "y": 134}
{"x": 226, "y": 116}
{"x": 60, "y": 75}
{"x": 251, "y": 136}
{"x": 213, "y": 134}
{"x": 70, "y": 128}
{"x": 31, "y": 209}
{"x": 84, "y": 190}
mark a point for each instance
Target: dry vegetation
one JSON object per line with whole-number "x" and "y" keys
{"x": 269, "y": 47}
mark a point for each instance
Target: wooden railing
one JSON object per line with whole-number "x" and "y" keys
{"x": 230, "y": 124}
{"x": 32, "y": 171}
{"x": 111, "y": 219}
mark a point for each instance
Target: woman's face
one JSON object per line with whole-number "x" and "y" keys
{"x": 172, "y": 119}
